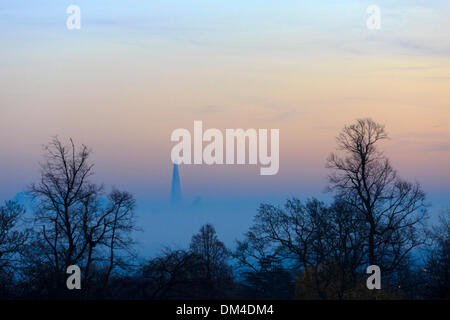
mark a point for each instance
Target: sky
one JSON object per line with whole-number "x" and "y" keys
{"x": 137, "y": 70}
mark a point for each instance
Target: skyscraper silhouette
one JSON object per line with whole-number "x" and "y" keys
{"x": 175, "y": 194}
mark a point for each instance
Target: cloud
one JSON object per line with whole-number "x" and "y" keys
{"x": 209, "y": 109}
{"x": 406, "y": 45}
{"x": 282, "y": 116}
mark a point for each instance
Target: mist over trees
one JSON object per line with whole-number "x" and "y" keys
{"x": 305, "y": 249}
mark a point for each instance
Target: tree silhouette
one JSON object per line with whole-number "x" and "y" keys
{"x": 305, "y": 236}
{"x": 210, "y": 249}
{"x": 392, "y": 209}
{"x": 437, "y": 265}
{"x": 75, "y": 226}
{"x": 12, "y": 243}
{"x": 213, "y": 255}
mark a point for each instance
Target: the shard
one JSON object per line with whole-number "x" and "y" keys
{"x": 175, "y": 194}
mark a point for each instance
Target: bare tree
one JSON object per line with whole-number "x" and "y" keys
{"x": 12, "y": 241}
{"x": 107, "y": 231}
{"x": 172, "y": 274}
{"x": 392, "y": 209}
{"x": 200, "y": 272}
{"x": 77, "y": 227}
{"x": 63, "y": 187}
{"x": 437, "y": 262}
{"x": 213, "y": 252}
{"x": 305, "y": 236}
{"x": 120, "y": 225}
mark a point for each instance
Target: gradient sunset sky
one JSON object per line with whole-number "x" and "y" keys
{"x": 137, "y": 70}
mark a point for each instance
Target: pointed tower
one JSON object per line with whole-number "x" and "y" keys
{"x": 175, "y": 194}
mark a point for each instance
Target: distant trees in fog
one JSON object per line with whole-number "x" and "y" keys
{"x": 304, "y": 249}
{"x": 201, "y": 271}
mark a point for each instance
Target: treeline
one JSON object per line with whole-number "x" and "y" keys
{"x": 302, "y": 250}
